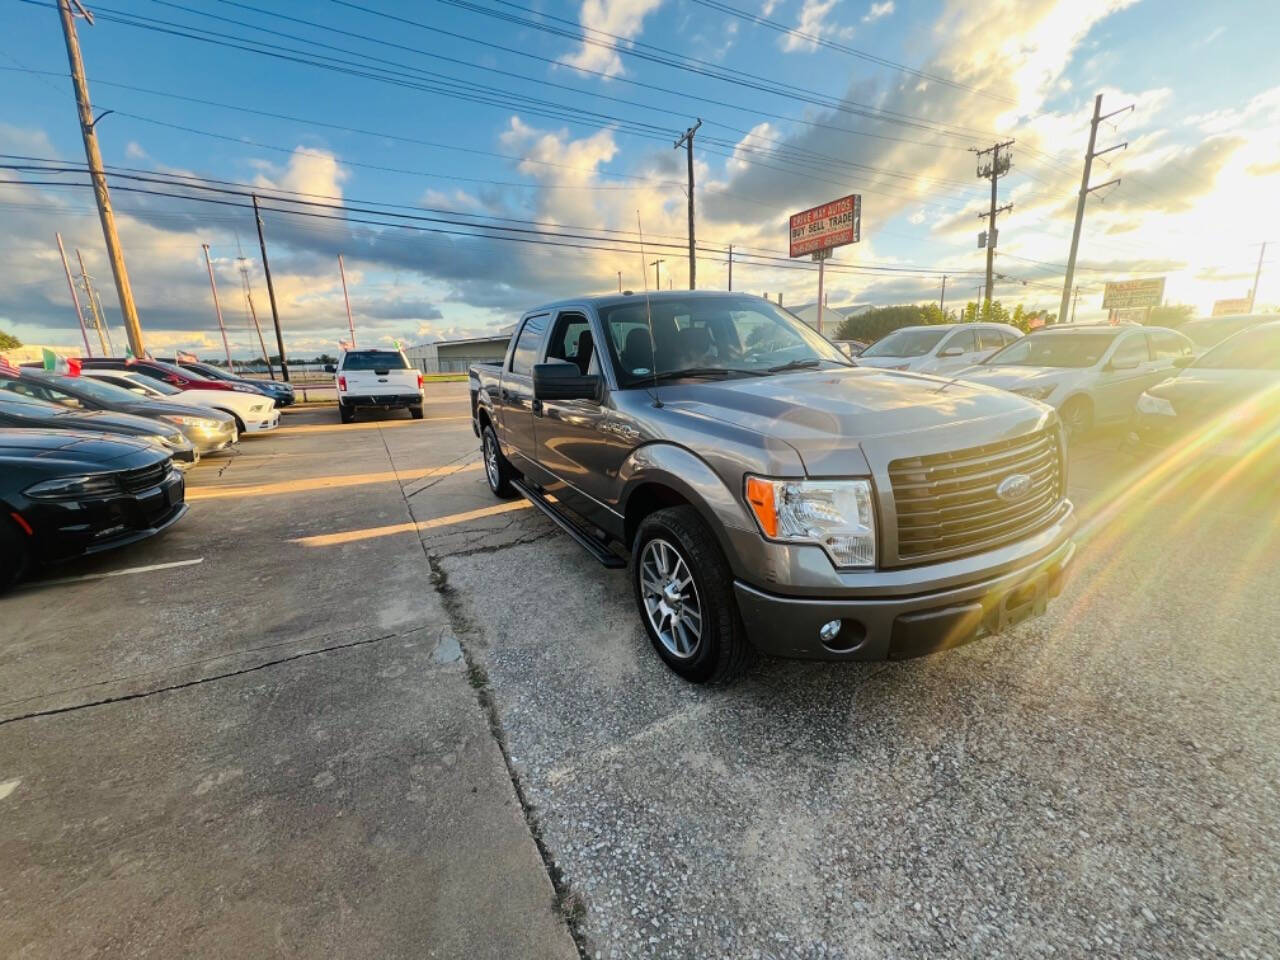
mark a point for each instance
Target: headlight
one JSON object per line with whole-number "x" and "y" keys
{"x": 168, "y": 440}
{"x": 202, "y": 423}
{"x": 1035, "y": 393}
{"x": 834, "y": 514}
{"x": 72, "y": 487}
{"x": 257, "y": 408}
{"x": 1158, "y": 406}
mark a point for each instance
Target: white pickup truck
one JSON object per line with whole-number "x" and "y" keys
{"x": 376, "y": 378}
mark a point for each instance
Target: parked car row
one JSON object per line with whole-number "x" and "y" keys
{"x": 1216, "y": 375}
{"x": 94, "y": 460}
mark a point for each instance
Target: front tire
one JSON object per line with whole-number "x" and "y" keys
{"x": 14, "y": 556}
{"x": 684, "y": 594}
{"x": 496, "y": 468}
{"x": 1077, "y": 417}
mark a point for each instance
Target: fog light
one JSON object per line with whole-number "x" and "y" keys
{"x": 829, "y": 631}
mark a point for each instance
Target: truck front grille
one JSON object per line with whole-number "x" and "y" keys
{"x": 947, "y": 504}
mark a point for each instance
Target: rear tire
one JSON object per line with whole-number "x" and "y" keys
{"x": 691, "y": 593}
{"x": 415, "y": 411}
{"x": 14, "y": 555}
{"x": 497, "y": 470}
{"x": 1077, "y": 417}
{"x": 345, "y": 414}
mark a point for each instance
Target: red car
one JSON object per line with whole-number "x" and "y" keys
{"x": 167, "y": 372}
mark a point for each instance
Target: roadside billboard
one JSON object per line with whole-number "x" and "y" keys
{"x": 829, "y": 225}
{"x": 1128, "y": 294}
{"x": 1229, "y": 308}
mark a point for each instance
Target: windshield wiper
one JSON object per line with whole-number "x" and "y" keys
{"x": 796, "y": 365}
{"x": 701, "y": 372}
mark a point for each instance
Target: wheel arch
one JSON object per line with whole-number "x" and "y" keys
{"x": 239, "y": 421}
{"x": 661, "y": 475}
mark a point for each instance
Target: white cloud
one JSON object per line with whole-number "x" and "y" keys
{"x": 813, "y": 23}
{"x": 878, "y": 10}
{"x": 622, "y": 18}
{"x": 769, "y": 7}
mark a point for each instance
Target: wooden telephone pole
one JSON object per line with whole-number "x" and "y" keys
{"x": 686, "y": 139}
{"x": 133, "y": 329}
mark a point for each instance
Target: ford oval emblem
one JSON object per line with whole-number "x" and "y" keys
{"x": 1014, "y": 487}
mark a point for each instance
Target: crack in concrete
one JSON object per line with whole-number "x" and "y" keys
{"x": 571, "y": 905}
{"x": 123, "y": 698}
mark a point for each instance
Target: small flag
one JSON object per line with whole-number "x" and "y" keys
{"x": 7, "y": 367}
{"x": 129, "y": 358}
{"x": 184, "y": 357}
{"x": 56, "y": 364}
{"x": 344, "y": 344}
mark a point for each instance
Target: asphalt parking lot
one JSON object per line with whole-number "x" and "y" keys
{"x": 354, "y": 706}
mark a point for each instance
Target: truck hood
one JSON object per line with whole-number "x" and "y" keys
{"x": 833, "y": 417}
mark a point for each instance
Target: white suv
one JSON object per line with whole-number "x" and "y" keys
{"x": 939, "y": 348}
{"x": 376, "y": 378}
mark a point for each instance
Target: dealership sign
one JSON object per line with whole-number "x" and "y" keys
{"x": 830, "y": 225}
{"x": 1229, "y": 308}
{"x": 1127, "y": 294}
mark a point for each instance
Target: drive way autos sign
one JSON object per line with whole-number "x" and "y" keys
{"x": 1127, "y": 294}
{"x": 830, "y": 225}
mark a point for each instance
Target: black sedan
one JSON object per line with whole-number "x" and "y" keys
{"x": 18, "y": 410}
{"x": 65, "y": 494}
{"x": 208, "y": 430}
{"x": 1225, "y": 403}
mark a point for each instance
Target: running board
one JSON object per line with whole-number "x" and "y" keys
{"x": 589, "y": 543}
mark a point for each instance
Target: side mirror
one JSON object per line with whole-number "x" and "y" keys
{"x": 558, "y": 380}
{"x": 1183, "y": 362}
{"x": 951, "y": 352}
{"x": 330, "y": 368}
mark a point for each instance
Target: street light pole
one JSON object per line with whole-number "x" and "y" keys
{"x": 74, "y": 298}
{"x": 217, "y": 308}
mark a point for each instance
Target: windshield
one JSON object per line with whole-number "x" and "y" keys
{"x": 21, "y": 405}
{"x": 374, "y": 360}
{"x": 1252, "y": 350}
{"x": 135, "y": 381}
{"x": 709, "y": 336}
{"x": 905, "y": 343}
{"x": 94, "y": 389}
{"x": 1054, "y": 350}
{"x": 209, "y": 372}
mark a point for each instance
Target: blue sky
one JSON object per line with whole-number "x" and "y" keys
{"x": 1199, "y": 179}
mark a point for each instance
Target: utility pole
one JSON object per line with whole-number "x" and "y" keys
{"x": 1257, "y": 275}
{"x": 87, "y": 124}
{"x": 619, "y": 281}
{"x": 1085, "y": 190}
{"x": 942, "y": 300}
{"x": 657, "y": 274}
{"x": 731, "y": 268}
{"x": 271, "y": 293}
{"x": 216, "y": 308}
{"x": 74, "y": 298}
{"x": 687, "y": 140}
{"x": 92, "y": 296}
{"x": 102, "y": 318}
{"x": 253, "y": 315}
{"x": 351, "y": 324}
{"x": 993, "y": 170}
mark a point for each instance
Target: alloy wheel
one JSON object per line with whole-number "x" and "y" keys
{"x": 671, "y": 599}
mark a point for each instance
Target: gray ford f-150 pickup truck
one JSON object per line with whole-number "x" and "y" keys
{"x": 769, "y": 495}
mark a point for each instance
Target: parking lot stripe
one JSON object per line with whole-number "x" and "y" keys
{"x": 351, "y": 536}
{"x": 323, "y": 483}
{"x": 347, "y": 427}
{"x": 112, "y": 573}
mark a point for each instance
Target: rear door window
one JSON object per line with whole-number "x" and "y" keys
{"x": 1168, "y": 345}
{"x": 992, "y": 339}
{"x": 1131, "y": 351}
{"x": 963, "y": 340}
{"x": 525, "y": 354}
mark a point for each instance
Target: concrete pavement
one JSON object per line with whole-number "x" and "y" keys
{"x": 1097, "y": 782}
